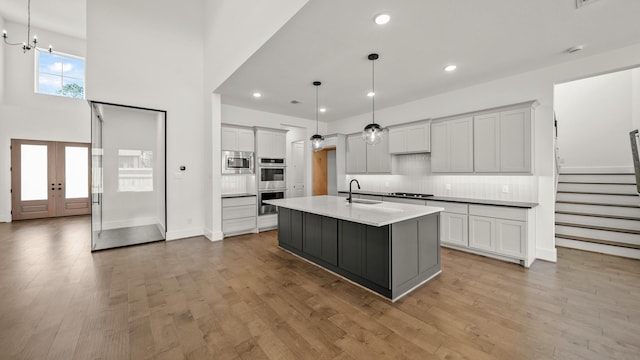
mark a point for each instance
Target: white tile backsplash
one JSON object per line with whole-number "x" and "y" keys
{"x": 416, "y": 177}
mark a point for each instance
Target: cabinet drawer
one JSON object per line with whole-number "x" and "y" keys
{"x": 405, "y": 201}
{"x": 237, "y": 225}
{"x": 500, "y": 212}
{"x": 246, "y": 200}
{"x": 451, "y": 207}
{"x": 237, "y": 212}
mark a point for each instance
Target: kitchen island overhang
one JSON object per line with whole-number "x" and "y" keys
{"x": 389, "y": 248}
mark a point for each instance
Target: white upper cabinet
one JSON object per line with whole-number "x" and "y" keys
{"x": 452, "y": 145}
{"x": 515, "y": 140}
{"x": 502, "y": 141}
{"x": 362, "y": 158}
{"x": 486, "y": 147}
{"x": 378, "y": 157}
{"x": 414, "y": 138}
{"x": 356, "y": 161}
{"x": 237, "y": 139}
{"x": 271, "y": 143}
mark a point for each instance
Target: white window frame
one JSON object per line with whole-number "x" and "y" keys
{"x": 36, "y": 72}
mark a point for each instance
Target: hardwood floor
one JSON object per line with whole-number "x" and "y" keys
{"x": 245, "y": 298}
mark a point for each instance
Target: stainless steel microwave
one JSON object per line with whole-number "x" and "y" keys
{"x": 237, "y": 162}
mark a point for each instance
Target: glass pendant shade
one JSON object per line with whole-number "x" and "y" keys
{"x": 372, "y": 134}
{"x": 317, "y": 140}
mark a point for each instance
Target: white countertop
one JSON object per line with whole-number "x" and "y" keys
{"x": 381, "y": 214}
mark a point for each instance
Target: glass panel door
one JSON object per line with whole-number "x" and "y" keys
{"x": 128, "y": 167}
{"x": 33, "y": 164}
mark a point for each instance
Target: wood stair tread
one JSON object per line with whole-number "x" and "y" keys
{"x": 601, "y": 228}
{"x": 617, "y": 217}
{"x": 597, "y": 241}
{"x": 593, "y": 193}
{"x": 597, "y": 204}
{"x": 594, "y": 183}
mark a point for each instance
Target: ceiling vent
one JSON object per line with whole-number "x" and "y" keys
{"x": 581, "y": 3}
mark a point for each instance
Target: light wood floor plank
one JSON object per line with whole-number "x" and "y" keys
{"x": 245, "y": 298}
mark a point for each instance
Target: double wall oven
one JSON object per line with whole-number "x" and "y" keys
{"x": 271, "y": 183}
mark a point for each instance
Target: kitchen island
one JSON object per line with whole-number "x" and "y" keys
{"x": 389, "y": 248}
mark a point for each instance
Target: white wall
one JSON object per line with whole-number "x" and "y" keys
{"x": 594, "y": 119}
{"x": 635, "y": 98}
{"x": 534, "y": 85}
{"x": 150, "y": 54}
{"x": 27, "y": 115}
{"x": 234, "y": 30}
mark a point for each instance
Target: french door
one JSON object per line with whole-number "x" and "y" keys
{"x": 49, "y": 179}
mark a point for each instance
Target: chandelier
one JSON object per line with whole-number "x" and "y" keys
{"x": 27, "y": 45}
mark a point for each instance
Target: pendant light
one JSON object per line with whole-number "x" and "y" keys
{"x": 317, "y": 140}
{"x": 372, "y": 133}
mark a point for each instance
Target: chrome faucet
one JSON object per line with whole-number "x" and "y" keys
{"x": 350, "y": 194}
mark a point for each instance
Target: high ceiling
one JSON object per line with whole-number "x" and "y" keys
{"x": 329, "y": 40}
{"x": 62, "y": 16}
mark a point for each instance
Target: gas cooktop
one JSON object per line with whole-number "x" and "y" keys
{"x": 410, "y": 195}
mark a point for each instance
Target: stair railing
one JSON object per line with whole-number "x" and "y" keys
{"x": 634, "y": 137}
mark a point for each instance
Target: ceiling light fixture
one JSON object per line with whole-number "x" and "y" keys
{"x": 257, "y": 95}
{"x": 323, "y": 110}
{"x": 371, "y": 94}
{"x": 317, "y": 140}
{"x": 382, "y": 19}
{"x": 26, "y": 46}
{"x": 372, "y": 133}
{"x": 450, "y": 68}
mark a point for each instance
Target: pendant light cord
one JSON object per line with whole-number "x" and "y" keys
{"x": 317, "y": 108}
{"x": 373, "y": 90}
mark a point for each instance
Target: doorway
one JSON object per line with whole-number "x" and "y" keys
{"x": 49, "y": 179}
{"x": 324, "y": 172}
{"x": 128, "y": 187}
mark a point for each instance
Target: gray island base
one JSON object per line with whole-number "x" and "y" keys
{"x": 388, "y": 248}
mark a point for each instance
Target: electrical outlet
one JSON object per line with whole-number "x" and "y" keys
{"x": 447, "y": 186}
{"x": 505, "y": 189}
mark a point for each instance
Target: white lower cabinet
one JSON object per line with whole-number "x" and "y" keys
{"x": 485, "y": 229}
{"x": 239, "y": 215}
{"x": 482, "y": 233}
{"x": 454, "y": 229}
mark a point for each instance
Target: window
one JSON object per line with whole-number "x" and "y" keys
{"x": 59, "y": 74}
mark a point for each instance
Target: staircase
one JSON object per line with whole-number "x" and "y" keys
{"x": 598, "y": 212}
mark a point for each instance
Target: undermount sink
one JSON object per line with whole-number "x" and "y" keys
{"x": 365, "y": 201}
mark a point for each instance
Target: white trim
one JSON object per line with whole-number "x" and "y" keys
{"x": 415, "y": 287}
{"x": 599, "y": 248}
{"x": 5, "y": 219}
{"x": 125, "y": 223}
{"x": 597, "y": 170}
{"x": 547, "y": 254}
{"x": 184, "y": 233}
{"x": 209, "y": 234}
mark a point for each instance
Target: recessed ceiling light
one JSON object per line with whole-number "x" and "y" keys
{"x": 382, "y": 19}
{"x": 450, "y": 68}
{"x": 257, "y": 95}
{"x": 371, "y": 94}
{"x": 322, "y": 110}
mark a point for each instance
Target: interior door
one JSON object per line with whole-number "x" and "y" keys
{"x": 297, "y": 154}
{"x": 49, "y": 179}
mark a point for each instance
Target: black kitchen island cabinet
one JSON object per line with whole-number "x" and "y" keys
{"x": 390, "y": 260}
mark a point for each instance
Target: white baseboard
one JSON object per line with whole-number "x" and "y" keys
{"x": 600, "y": 248}
{"x": 125, "y": 223}
{"x": 213, "y": 236}
{"x": 184, "y": 233}
{"x": 547, "y": 254}
{"x": 5, "y": 218}
{"x": 597, "y": 170}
